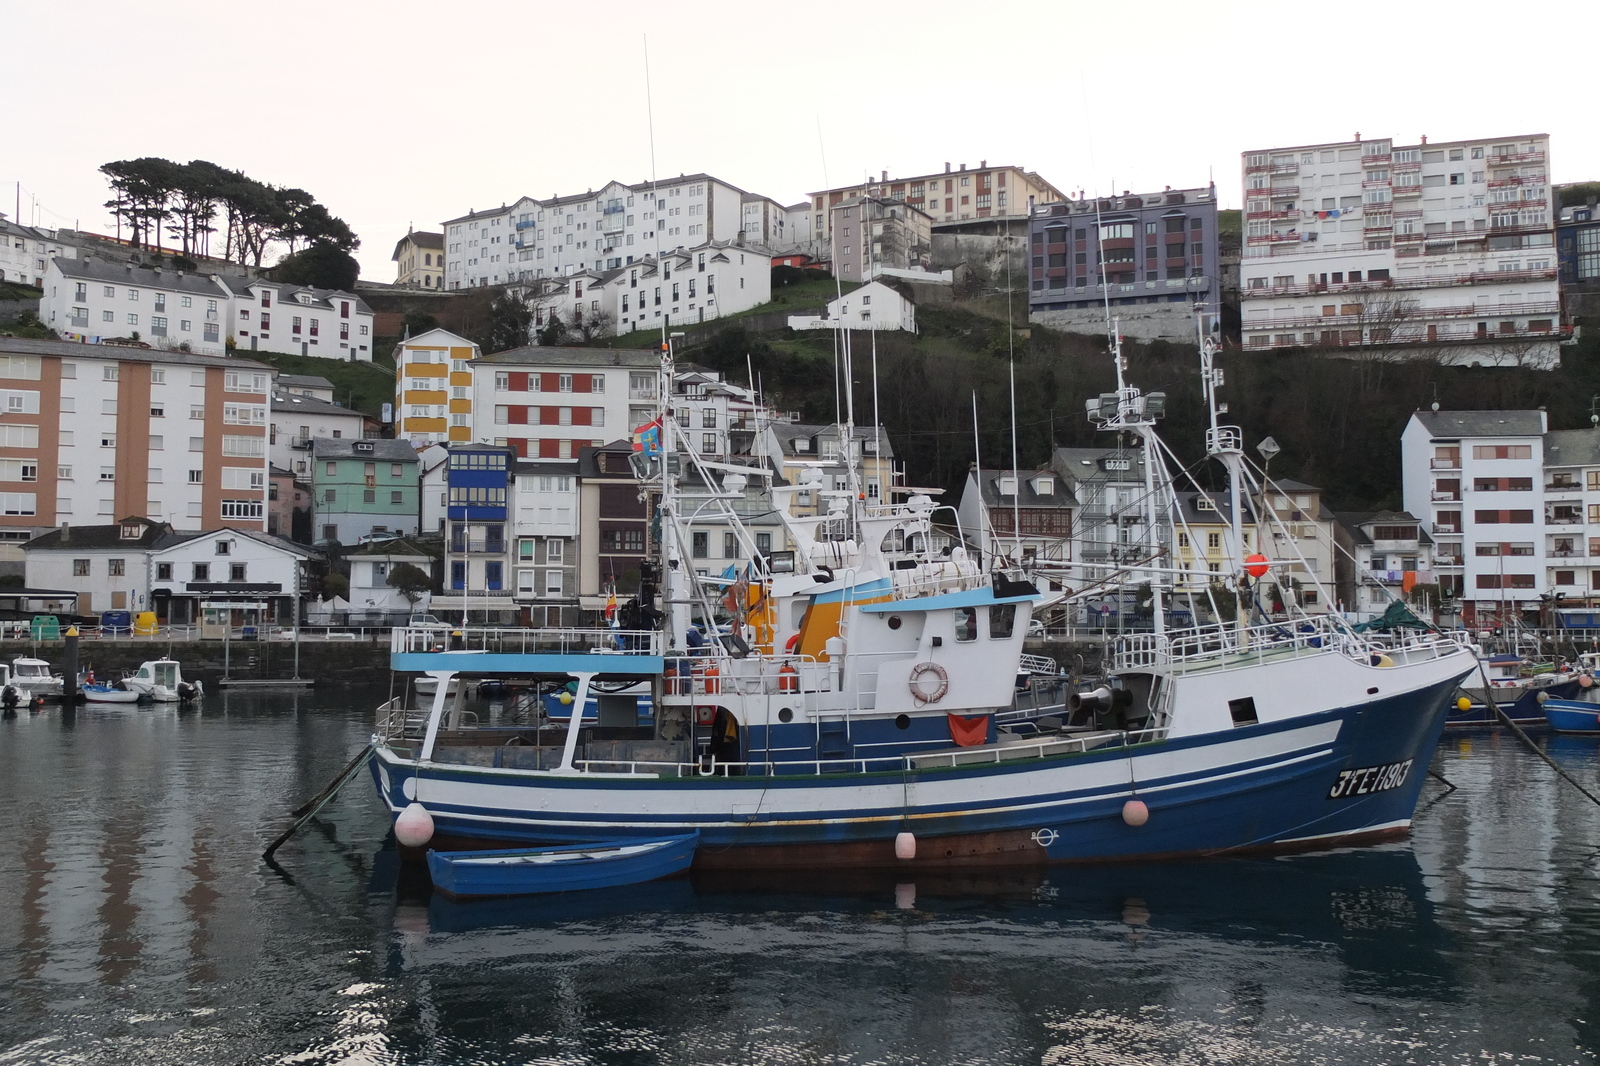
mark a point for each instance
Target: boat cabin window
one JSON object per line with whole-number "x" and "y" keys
{"x": 1002, "y": 621}
{"x": 966, "y": 623}
{"x": 1243, "y": 712}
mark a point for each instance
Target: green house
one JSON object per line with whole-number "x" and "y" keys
{"x": 362, "y": 487}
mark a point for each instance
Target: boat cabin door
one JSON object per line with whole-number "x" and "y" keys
{"x": 166, "y": 674}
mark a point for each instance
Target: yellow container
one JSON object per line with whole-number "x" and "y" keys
{"x": 144, "y": 624}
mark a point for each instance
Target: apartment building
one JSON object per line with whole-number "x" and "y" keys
{"x": 689, "y": 285}
{"x": 26, "y": 251}
{"x": 360, "y": 487}
{"x": 477, "y": 551}
{"x": 763, "y": 221}
{"x": 819, "y": 457}
{"x": 92, "y": 298}
{"x": 298, "y": 420}
{"x": 873, "y": 233}
{"x": 1023, "y": 515}
{"x": 873, "y": 306}
{"x": 614, "y": 525}
{"x": 1152, "y": 258}
{"x": 544, "y": 526}
{"x": 1445, "y": 249}
{"x": 298, "y": 319}
{"x": 1578, "y": 258}
{"x": 598, "y": 230}
{"x": 94, "y": 433}
{"x": 551, "y": 403}
{"x": 1108, "y": 485}
{"x": 953, "y": 196}
{"x": 1475, "y": 481}
{"x": 419, "y": 260}
{"x": 1572, "y": 515}
{"x": 1391, "y": 553}
{"x": 433, "y": 388}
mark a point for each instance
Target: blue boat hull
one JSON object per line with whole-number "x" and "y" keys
{"x": 1334, "y": 777}
{"x": 1572, "y": 716}
{"x": 458, "y": 875}
{"x": 1524, "y": 710}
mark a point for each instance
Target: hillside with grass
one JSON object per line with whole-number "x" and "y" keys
{"x": 363, "y": 387}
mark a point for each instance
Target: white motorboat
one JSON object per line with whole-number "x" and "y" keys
{"x": 427, "y": 686}
{"x": 32, "y": 677}
{"x": 162, "y": 681}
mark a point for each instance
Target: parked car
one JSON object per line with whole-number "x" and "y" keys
{"x": 428, "y": 621}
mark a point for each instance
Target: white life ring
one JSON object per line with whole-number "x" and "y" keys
{"x": 924, "y": 693}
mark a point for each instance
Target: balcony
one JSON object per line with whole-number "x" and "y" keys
{"x": 1563, "y": 486}
{"x": 1566, "y": 553}
{"x": 1563, "y": 520}
{"x": 1440, "y": 527}
{"x": 1449, "y": 561}
{"x": 1285, "y": 168}
{"x": 1439, "y": 496}
{"x": 1516, "y": 157}
{"x": 302, "y": 443}
{"x": 1407, "y": 191}
{"x": 1446, "y": 464}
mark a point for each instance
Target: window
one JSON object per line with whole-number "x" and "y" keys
{"x": 197, "y": 477}
{"x": 109, "y": 373}
{"x": 116, "y": 568}
{"x": 1502, "y": 451}
{"x": 966, "y": 619}
{"x": 163, "y": 571}
{"x": 236, "y": 571}
{"x": 242, "y": 508}
{"x": 1002, "y": 621}
{"x": 80, "y": 568}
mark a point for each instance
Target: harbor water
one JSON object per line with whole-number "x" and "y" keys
{"x": 140, "y": 925}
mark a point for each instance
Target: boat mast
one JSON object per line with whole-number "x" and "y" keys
{"x": 1225, "y": 443}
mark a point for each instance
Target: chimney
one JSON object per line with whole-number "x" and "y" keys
{"x": 885, "y": 176}
{"x": 1424, "y": 138}
{"x": 963, "y": 166}
{"x": 66, "y": 532}
{"x": 947, "y": 168}
{"x": 983, "y": 164}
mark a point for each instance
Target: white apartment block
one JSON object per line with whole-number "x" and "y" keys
{"x": 549, "y": 403}
{"x": 93, "y": 434}
{"x": 1447, "y": 249}
{"x": 297, "y": 420}
{"x": 91, "y": 299}
{"x": 1475, "y": 479}
{"x": 26, "y": 251}
{"x": 765, "y": 222}
{"x": 1388, "y": 548}
{"x": 600, "y": 230}
{"x": 687, "y": 286}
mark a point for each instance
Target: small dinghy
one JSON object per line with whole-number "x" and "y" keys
{"x": 1572, "y": 716}
{"x": 101, "y": 693}
{"x": 563, "y": 868}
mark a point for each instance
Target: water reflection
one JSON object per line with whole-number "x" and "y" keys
{"x": 144, "y": 927}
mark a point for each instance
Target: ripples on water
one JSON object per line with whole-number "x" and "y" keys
{"x": 142, "y": 927}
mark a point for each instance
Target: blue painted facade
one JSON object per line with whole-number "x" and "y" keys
{"x": 478, "y": 481}
{"x": 1578, "y": 245}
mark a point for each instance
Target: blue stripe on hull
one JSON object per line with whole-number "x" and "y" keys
{"x": 1271, "y": 798}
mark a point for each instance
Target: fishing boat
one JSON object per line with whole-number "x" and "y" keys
{"x": 1519, "y": 687}
{"x": 564, "y": 868}
{"x": 162, "y": 680}
{"x": 33, "y": 678}
{"x": 848, "y": 714}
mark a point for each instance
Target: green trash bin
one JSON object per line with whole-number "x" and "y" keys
{"x": 46, "y": 627}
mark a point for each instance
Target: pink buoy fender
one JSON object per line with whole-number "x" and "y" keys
{"x": 905, "y": 845}
{"x": 1135, "y": 813}
{"x": 414, "y": 827}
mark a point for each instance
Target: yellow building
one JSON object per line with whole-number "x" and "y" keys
{"x": 433, "y": 388}
{"x": 1203, "y": 537}
{"x": 419, "y": 260}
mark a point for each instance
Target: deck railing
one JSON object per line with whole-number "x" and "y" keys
{"x": 508, "y": 641}
{"x": 1218, "y": 646}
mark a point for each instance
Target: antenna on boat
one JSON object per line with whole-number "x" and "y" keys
{"x": 1225, "y": 443}
{"x": 1016, "y": 468}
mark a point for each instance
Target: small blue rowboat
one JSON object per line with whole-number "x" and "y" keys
{"x": 1572, "y": 716}
{"x": 564, "y": 868}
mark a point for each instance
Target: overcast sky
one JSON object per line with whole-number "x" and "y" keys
{"x": 407, "y": 113}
